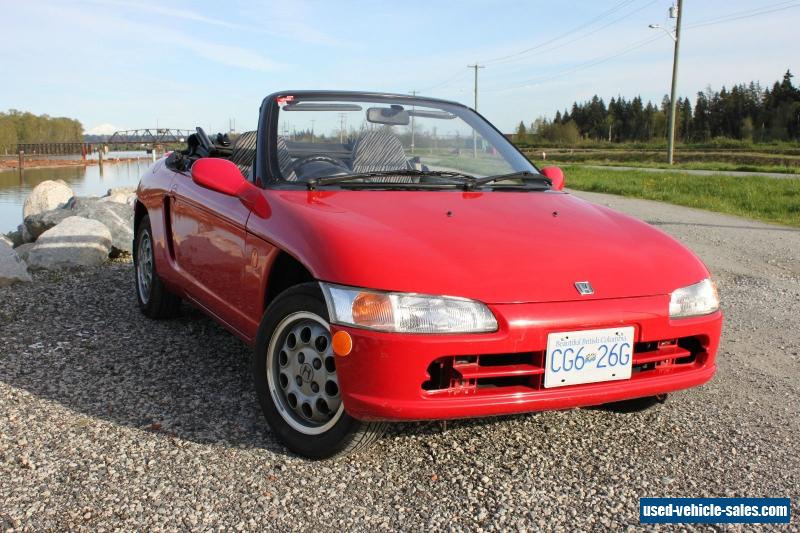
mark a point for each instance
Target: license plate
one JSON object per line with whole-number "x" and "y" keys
{"x": 588, "y": 356}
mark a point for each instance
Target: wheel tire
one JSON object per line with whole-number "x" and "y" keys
{"x": 154, "y": 299}
{"x": 280, "y": 371}
{"x": 636, "y": 405}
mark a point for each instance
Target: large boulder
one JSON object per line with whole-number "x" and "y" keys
{"x": 26, "y": 235}
{"x": 14, "y": 237}
{"x": 37, "y": 224}
{"x": 23, "y": 250}
{"x": 117, "y": 217}
{"x": 120, "y": 195}
{"x": 75, "y": 242}
{"x": 79, "y": 202}
{"x": 12, "y": 268}
{"x": 4, "y": 239}
{"x": 46, "y": 196}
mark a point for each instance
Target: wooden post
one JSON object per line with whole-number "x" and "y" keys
{"x": 21, "y": 159}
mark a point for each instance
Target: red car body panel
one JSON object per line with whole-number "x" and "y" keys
{"x": 382, "y": 378}
{"x": 496, "y": 247}
{"x": 518, "y": 252}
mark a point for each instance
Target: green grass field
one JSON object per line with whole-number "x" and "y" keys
{"x": 694, "y": 159}
{"x": 769, "y": 199}
{"x": 712, "y": 165}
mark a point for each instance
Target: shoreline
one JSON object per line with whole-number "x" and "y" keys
{"x": 64, "y": 163}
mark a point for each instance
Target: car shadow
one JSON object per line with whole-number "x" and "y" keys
{"x": 79, "y": 340}
{"x": 91, "y": 351}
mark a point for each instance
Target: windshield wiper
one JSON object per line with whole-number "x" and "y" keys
{"x": 523, "y": 175}
{"x": 383, "y": 173}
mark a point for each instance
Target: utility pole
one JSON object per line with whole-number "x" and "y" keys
{"x": 476, "y": 66}
{"x": 342, "y": 119}
{"x": 312, "y": 129}
{"x": 413, "y": 93}
{"x": 676, "y": 12}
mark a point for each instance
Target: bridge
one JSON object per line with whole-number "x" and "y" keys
{"x": 141, "y": 138}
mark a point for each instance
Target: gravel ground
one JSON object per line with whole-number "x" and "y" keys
{"x": 111, "y": 421}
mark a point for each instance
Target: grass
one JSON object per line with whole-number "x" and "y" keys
{"x": 774, "y": 200}
{"x": 482, "y": 165}
{"x": 711, "y": 165}
{"x": 720, "y": 144}
{"x": 701, "y": 160}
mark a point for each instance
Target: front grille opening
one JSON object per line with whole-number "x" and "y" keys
{"x": 439, "y": 374}
{"x": 645, "y": 347}
{"x": 652, "y": 355}
{"x": 506, "y": 359}
{"x": 467, "y": 374}
{"x": 512, "y": 381}
{"x": 520, "y": 372}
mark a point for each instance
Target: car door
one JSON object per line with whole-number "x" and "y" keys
{"x": 208, "y": 237}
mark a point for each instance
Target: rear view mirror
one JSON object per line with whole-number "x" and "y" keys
{"x": 556, "y": 175}
{"x": 218, "y": 175}
{"x": 224, "y": 177}
{"x": 393, "y": 116}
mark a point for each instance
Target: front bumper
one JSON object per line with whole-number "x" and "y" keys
{"x": 390, "y": 376}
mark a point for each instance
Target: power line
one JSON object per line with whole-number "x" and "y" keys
{"x": 596, "y": 30}
{"x": 764, "y": 10}
{"x": 617, "y": 7}
{"x": 581, "y": 66}
{"x": 639, "y": 44}
{"x": 459, "y": 74}
{"x": 601, "y": 16}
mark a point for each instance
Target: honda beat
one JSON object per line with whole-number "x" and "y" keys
{"x": 394, "y": 258}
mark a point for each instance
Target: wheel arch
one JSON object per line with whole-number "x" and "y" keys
{"x": 285, "y": 272}
{"x": 139, "y": 212}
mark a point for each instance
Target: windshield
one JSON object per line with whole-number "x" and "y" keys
{"x": 371, "y": 138}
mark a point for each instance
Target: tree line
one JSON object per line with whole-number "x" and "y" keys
{"x": 746, "y": 112}
{"x": 23, "y": 127}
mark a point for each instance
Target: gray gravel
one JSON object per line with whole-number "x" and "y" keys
{"x": 111, "y": 421}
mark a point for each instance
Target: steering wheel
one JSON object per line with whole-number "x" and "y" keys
{"x": 205, "y": 141}
{"x": 319, "y": 159}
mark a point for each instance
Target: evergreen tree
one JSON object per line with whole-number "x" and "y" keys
{"x": 745, "y": 111}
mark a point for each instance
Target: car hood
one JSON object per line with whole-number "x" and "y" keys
{"x": 496, "y": 247}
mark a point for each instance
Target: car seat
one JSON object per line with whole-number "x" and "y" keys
{"x": 379, "y": 150}
{"x": 244, "y": 155}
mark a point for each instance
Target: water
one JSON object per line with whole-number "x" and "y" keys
{"x": 85, "y": 181}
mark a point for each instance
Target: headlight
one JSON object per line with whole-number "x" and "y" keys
{"x": 694, "y": 300}
{"x": 405, "y": 312}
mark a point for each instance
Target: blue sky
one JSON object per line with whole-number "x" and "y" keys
{"x": 125, "y": 64}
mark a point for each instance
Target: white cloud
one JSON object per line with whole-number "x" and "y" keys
{"x": 225, "y": 54}
{"x": 103, "y": 129}
{"x": 167, "y": 11}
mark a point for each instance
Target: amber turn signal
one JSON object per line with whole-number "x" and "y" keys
{"x": 373, "y": 310}
{"x": 342, "y": 343}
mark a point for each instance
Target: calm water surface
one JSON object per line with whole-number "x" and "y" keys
{"x": 85, "y": 181}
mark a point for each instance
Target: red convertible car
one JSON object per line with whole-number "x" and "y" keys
{"x": 396, "y": 258}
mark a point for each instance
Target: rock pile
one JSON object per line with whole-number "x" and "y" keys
{"x": 61, "y": 230}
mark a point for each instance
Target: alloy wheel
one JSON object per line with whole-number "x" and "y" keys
{"x": 301, "y": 372}
{"x": 144, "y": 266}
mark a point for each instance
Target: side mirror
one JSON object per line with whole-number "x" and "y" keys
{"x": 224, "y": 177}
{"x": 556, "y": 175}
